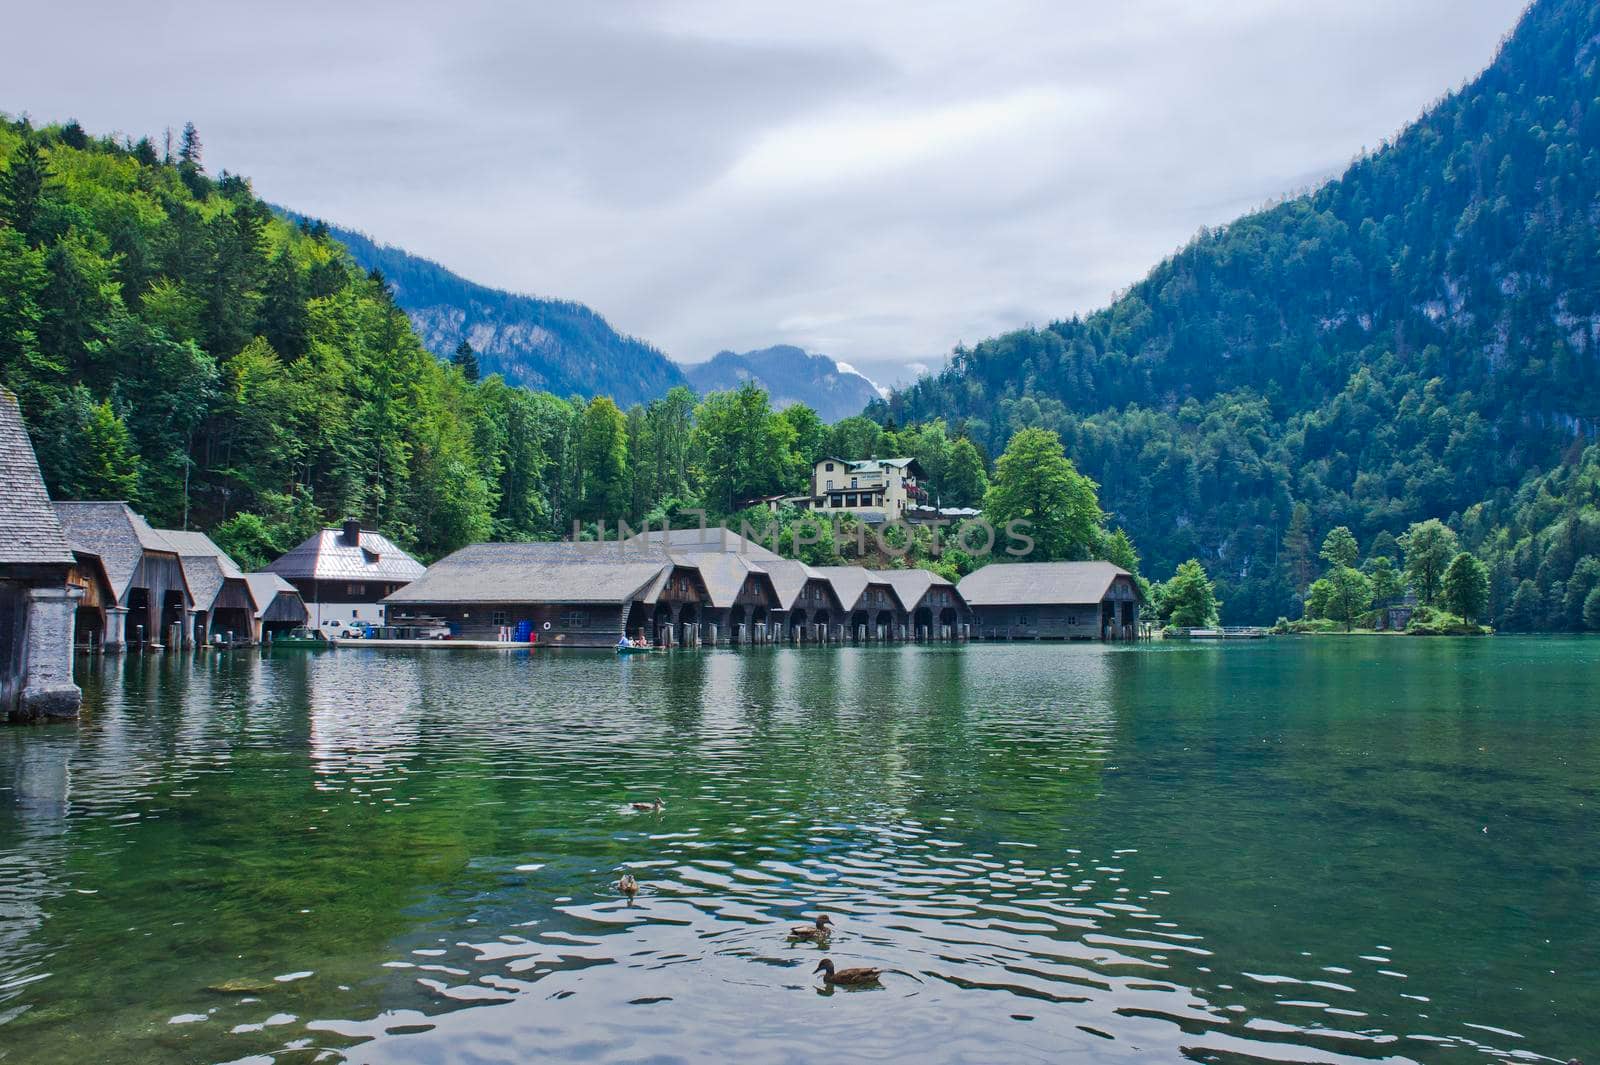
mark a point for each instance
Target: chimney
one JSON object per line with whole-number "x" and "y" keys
{"x": 352, "y": 532}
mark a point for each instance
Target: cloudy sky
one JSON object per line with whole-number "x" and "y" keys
{"x": 873, "y": 181}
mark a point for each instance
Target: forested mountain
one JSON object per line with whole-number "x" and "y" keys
{"x": 555, "y": 345}
{"x": 790, "y": 376}
{"x": 177, "y": 344}
{"x": 1419, "y": 338}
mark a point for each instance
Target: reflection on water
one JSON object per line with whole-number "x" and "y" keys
{"x": 1297, "y": 851}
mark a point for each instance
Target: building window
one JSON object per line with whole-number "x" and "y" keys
{"x": 1072, "y": 619}
{"x": 855, "y": 482}
{"x": 830, "y": 481}
{"x": 829, "y": 468}
{"x": 574, "y": 619}
{"x": 497, "y": 618}
{"x": 354, "y": 589}
{"x": 1025, "y": 618}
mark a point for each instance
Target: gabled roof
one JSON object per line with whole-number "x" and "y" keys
{"x": 850, "y": 583}
{"x": 789, "y": 578}
{"x": 912, "y": 584}
{"x": 539, "y": 573}
{"x": 264, "y": 588}
{"x": 329, "y": 555}
{"x": 30, "y": 531}
{"x": 1040, "y": 583}
{"x": 698, "y": 541}
{"x": 206, "y": 568}
{"x": 116, "y": 533}
{"x": 724, "y": 575}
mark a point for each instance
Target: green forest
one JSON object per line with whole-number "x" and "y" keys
{"x": 1418, "y": 339}
{"x": 175, "y": 343}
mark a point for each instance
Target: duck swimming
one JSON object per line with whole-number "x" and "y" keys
{"x": 628, "y": 885}
{"x": 813, "y": 932}
{"x": 650, "y": 807}
{"x": 846, "y": 977}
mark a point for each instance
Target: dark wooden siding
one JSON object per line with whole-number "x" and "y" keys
{"x": 315, "y": 591}
{"x": 569, "y": 624}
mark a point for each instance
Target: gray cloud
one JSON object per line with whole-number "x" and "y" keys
{"x": 873, "y": 181}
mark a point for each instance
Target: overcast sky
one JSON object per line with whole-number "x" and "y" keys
{"x": 873, "y": 181}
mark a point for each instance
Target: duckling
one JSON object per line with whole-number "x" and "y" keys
{"x": 650, "y": 807}
{"x": 628, "y": 885}
{"x": 846, "y": 977}
{"x": 813, "y": 932}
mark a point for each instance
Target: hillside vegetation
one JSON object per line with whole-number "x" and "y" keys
{"x": 558, "y": 346}
{"x": 1417, "y": 339}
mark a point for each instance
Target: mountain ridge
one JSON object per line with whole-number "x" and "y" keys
{"x": 1414, "y": 339}
{"x": 790, "y": 375}
{"x": 559, "y": 346}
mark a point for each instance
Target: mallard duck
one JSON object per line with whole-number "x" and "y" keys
{"x": 813, "y": 932}
{"x": 650, "y": 807}
{"x": 847, "y": 977}
{"x": 628, "y": 885}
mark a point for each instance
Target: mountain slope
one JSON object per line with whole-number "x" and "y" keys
{"x": 555, "y": 345}
{"x": 790, "y": 376}
{"x": 1416, "y": 337}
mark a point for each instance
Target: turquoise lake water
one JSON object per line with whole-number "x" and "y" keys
{"x": 1294, "y": 850}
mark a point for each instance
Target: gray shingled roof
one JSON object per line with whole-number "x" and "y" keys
{"x": 724, "y": 574}
{"x": 206, "y": 568}
{"x": 788, "y": 578}
{"x": 850, "y": 583}
{"x": 539, "y": 573}
{"x": 711, "y": 539}
{"x": 912, "y": 584}
{"x": 327, "y": 555}
{"x": 265, "y": 587}
{"x": 30, "y": 531}
{"x": 114, "y": 532}
{"x": 1039, "y": 583}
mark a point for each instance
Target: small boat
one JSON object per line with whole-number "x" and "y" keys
{"x": 301, "y": 638}
{"x": 631, "y": 650}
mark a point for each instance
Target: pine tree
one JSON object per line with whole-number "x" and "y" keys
{"x": 22, "y": 191}
{"x": 107, "y": 466}
{"x": 1297, "y": 548}
{"x": 466, "y": 360}
{"x": 190, "y": 148}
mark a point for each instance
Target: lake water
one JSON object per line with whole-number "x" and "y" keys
{"x": 1295, "y": 850}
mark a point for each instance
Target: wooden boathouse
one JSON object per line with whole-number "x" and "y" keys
{"x": 150, "y": 598}
{"x": 1053, "y": 601}
{"x": 869, "y": 607}
{"x": 222, "y": 604}
{"x": 554, "y": 594}
{"x": 36, "y": 601}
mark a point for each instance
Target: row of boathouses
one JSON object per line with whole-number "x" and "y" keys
{"x": 712, "y": 587}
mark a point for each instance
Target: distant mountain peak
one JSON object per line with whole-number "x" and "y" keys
{"x": 560, "y": 346}
{"x": 790, "y": 375}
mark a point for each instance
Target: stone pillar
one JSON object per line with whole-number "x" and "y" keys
{"x": 188, "y": 628}
{"x": 713, "y": 634}
{"x": 116, "y": 634}
{"x": 47, "y": 689}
